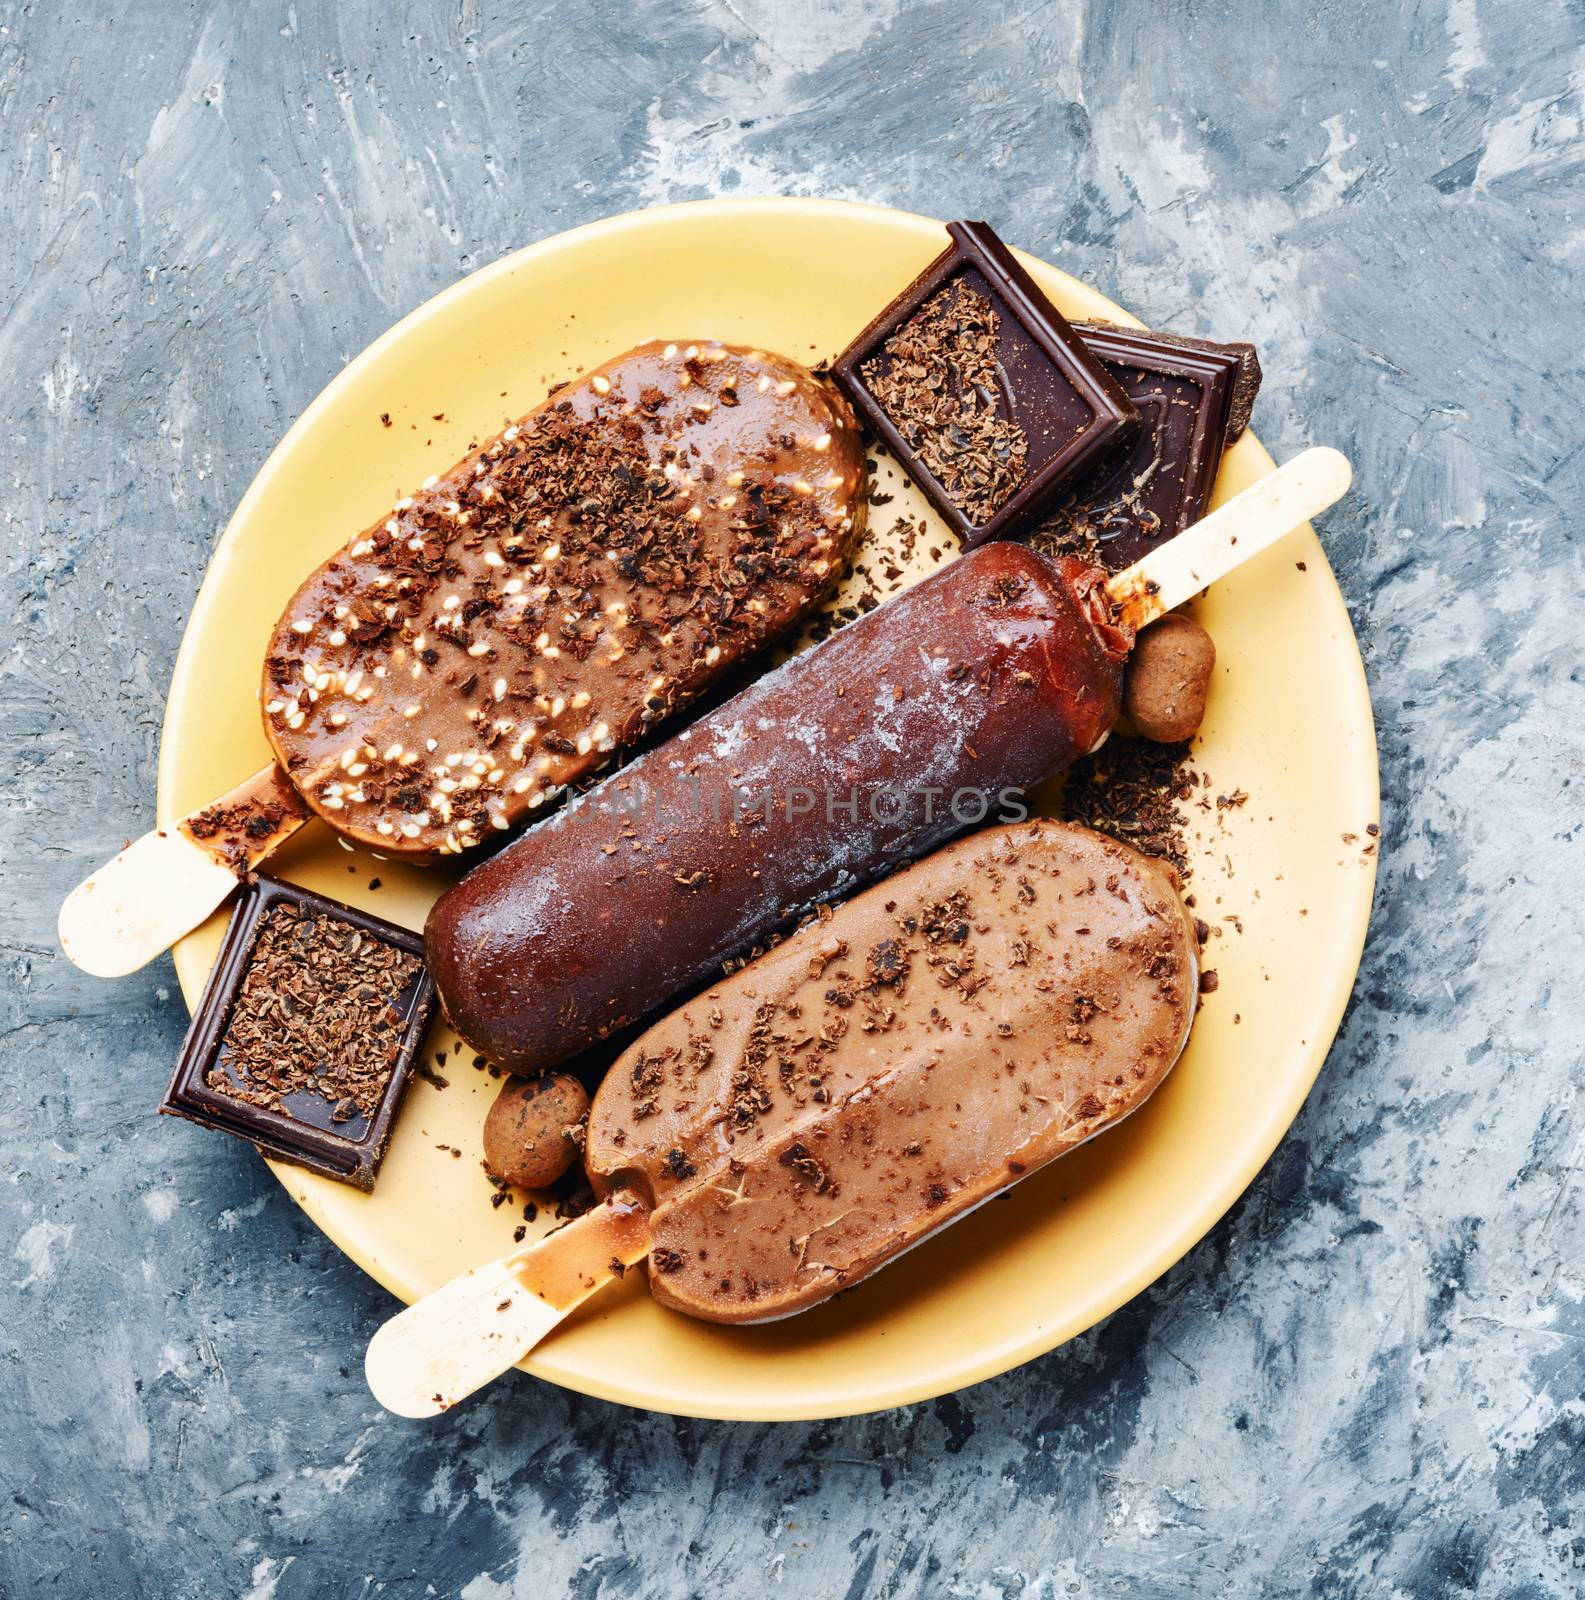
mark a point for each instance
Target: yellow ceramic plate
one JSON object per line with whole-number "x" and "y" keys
{"x": 1283, "y": 876}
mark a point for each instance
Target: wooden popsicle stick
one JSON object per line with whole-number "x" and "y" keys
{"x": 164, "y": 884}
{"x": 469, "y": 1331}
{"x": 1246, "y": 525}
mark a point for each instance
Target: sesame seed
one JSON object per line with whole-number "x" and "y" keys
{"x": 600, "y": 383}
{"x": 302, "y": 626}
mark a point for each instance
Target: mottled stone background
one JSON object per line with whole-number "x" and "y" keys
{"x": 1368, "y": 1380}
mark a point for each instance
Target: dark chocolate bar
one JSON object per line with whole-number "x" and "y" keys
{"x": 340, "y": 1124}
{"x": 981, "y": 389}
{"x": 1193, "y": 398}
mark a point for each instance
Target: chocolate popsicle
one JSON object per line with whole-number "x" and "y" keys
{"x": 830, "y": 1105}
{"x": 576, "y": 579}
{"x": 875, "y": 745}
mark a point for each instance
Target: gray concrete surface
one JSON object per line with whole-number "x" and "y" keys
{"x": 1368, "y": 1380}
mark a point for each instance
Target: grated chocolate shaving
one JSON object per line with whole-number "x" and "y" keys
{"x": 936, "y": 378}
{"x": 317, "y": 1012}
{"x": 1131, "y": 790}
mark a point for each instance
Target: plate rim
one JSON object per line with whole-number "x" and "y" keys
{"x": 1174, "y": 1244}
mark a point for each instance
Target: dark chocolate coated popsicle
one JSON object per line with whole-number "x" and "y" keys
{"x": 872, "y": 747}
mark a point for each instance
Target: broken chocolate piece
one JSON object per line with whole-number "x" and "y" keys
{"x": 981, "y": 389}
{"x": 307, "y": 1033}
{"x": 1189, "y": 394}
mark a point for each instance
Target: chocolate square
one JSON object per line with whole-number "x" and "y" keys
{"x": 1048, "y": 385}
{"x": 1193, "y": 398}
{"x": 312, "y": 1131}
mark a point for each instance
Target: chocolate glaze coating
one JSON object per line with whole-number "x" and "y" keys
{"x": 991, "y": 675}
{"x": 881, "y": 1073}
{"x": 575, "y": 580}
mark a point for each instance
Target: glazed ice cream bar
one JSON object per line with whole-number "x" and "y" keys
{"x": 836, "y": 1101}
{"x": 882, "y": 1072}
{"x": 518, "y": 621}
{"x": 872, "y": 747}
{"x": 573, "y": 581}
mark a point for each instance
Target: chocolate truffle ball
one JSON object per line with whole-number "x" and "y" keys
{"x": 534, "y": 1131}
{"x": 1168, "y": 675}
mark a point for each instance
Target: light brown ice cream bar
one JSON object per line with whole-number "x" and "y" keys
{"x": 576, "y": 579}
{"x": 891, "y": 1066}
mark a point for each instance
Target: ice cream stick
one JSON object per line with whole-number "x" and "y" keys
{"x": 1234, "y": 533}
{"x": 164, "y": 884}
{"x": 471, "y": 1330}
